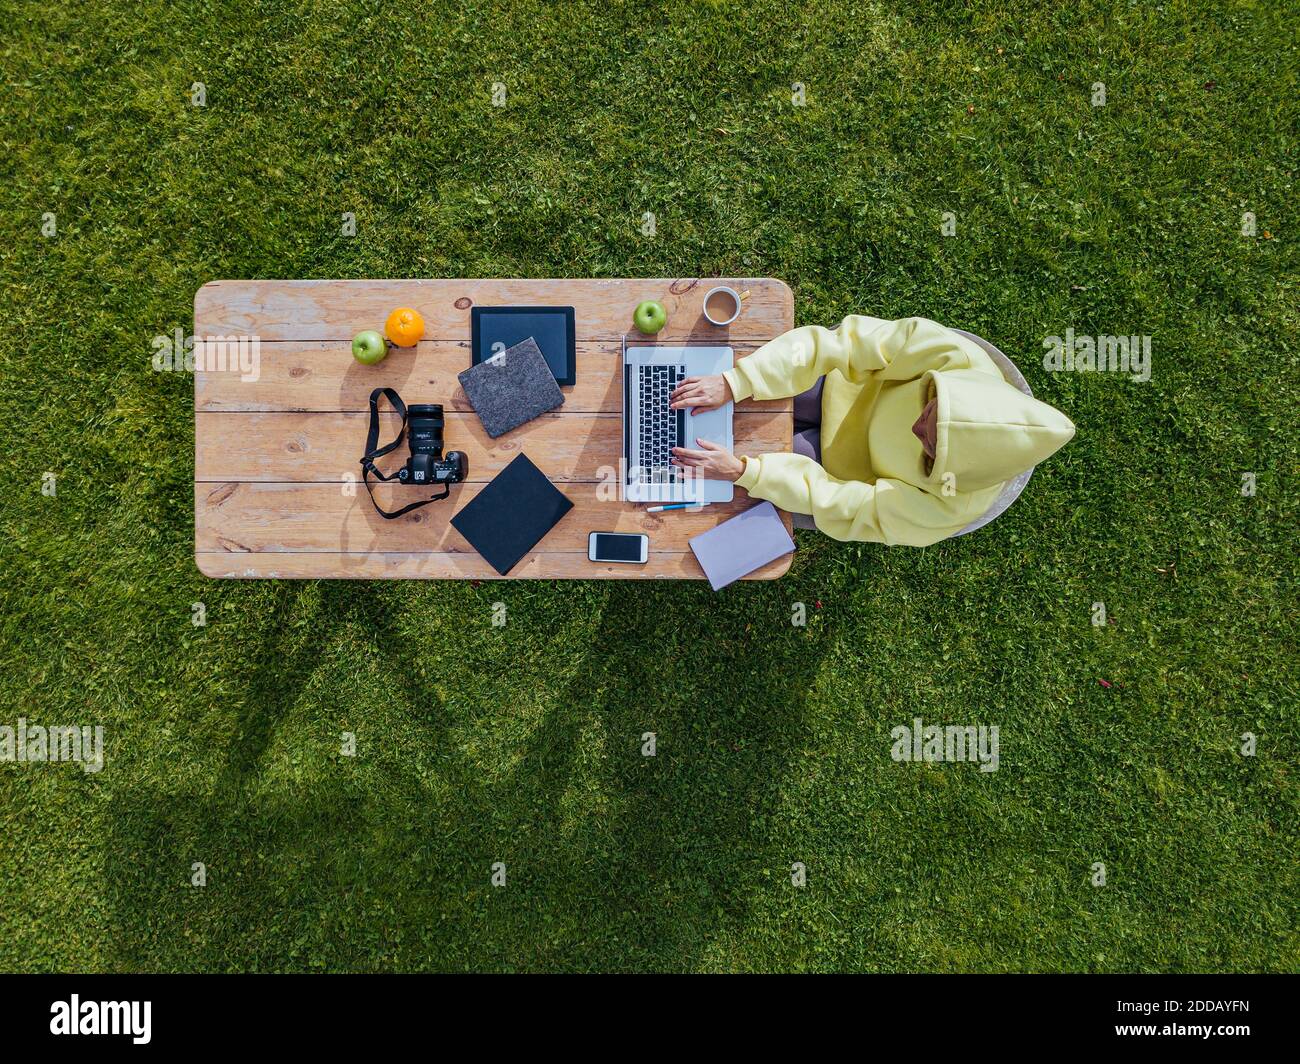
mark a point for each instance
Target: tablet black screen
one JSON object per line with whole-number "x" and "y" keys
{"x": 497, "y": 328}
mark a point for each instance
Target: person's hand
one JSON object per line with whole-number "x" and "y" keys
{"x": 712, "y": 461}
{"x": 702, "y": 393}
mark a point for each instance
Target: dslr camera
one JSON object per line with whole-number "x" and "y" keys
{"x": 427, "y": 465}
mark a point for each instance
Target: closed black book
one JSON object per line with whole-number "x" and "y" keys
{"x": 509, "y": 517}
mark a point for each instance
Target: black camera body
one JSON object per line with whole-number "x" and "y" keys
{"x": 427, "y": 464}
{"x": 422, "y": 429}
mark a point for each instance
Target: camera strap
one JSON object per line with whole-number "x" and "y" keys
{"x": 372, "y": 452}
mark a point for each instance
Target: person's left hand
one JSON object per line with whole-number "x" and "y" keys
{"x": 712, "y": 461}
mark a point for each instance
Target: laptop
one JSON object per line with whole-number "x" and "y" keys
{"x": 651, "y": 430}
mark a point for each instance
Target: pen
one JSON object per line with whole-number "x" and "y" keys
{"x": 677, "y": 506}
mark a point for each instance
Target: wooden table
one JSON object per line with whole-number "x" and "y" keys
{"x": 276, "y": 463}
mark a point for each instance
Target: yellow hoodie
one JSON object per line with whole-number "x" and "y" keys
{"x": 879, "y": 376}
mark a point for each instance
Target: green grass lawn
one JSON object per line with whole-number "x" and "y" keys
{"x": 522, "y": 744}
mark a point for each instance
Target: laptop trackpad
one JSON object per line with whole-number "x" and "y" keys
{"x": 714, "y": 426}
{"x": 709, "y": 425}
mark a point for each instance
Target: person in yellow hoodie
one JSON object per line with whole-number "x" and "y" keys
{"x": 919, "y": 431}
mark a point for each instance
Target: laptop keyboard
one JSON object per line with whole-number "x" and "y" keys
{"x": 661, "y": 428}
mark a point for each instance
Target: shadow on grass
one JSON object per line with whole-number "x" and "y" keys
{"x": 615, "y": 860}
{"x": 654, "y": 867}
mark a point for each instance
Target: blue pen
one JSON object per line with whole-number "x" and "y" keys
{"x": 677, "y": 506}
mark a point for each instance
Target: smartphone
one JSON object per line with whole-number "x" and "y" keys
{"x": 627, "y": 547}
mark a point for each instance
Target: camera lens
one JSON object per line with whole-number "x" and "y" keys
{"x": 425, "y": 420}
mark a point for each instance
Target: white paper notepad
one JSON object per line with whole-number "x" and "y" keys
{"x": 739, "y": 546}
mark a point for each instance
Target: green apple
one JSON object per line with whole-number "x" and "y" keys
{"x": 650, "y": 317}
{"x": 369, "y": 347}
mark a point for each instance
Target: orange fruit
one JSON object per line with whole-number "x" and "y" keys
{"x": 404, "y": 327}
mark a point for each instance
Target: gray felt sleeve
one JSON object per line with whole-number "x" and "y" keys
{"x": 511, "y": 388}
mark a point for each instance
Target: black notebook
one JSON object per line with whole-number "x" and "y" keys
{"x": 509, "y": 517}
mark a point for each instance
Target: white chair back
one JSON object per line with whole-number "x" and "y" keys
{"x": 1015, "y": 486}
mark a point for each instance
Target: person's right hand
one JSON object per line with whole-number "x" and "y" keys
{"x": 701, "y": 393}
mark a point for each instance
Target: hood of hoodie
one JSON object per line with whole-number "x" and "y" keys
{"x": 988, "y": 431}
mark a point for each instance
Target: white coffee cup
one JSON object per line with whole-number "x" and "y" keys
{"x": 722, "y": 305}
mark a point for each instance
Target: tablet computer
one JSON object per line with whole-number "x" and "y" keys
{"x": 495, "y": 329}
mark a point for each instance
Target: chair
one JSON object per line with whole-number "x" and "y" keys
{"x": 1014, "y": 486}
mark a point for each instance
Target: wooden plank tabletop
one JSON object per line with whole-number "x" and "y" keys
{"x": 276, "y": 458}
